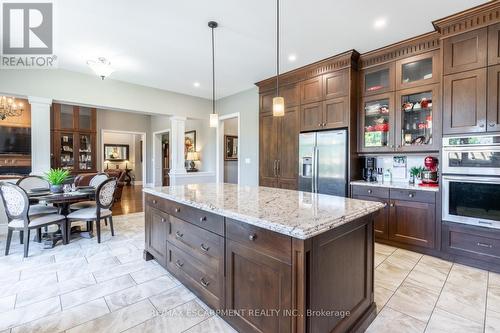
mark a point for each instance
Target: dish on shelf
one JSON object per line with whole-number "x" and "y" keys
{"x": 374, "y": 88}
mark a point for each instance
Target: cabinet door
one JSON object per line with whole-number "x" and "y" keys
{"x": 311, "y": 90}
{"x": 412, "y": 223}
{"x": 86, "y": 152}
{"x": 464, "y": 102}
{"x": 376, "y": 133}
{"x": 418, "y": 70}
{"x": 257, "y": 281}
{"x": 465, "y": 51}
{"x": 311, "y": 116}
{"x": 418, "y": 119}
{"x": 381, "y": 221}
{"x": 493, "y": 98}
{"x": 336, "y": 113}
{"x": 86, "y": 118}
{"x": 291, "y": 94}
{"x": 156, "y": 223}
{"x": 377, "y": 80}
{"x": 288, "y": 144}
{"x": 266, "y": 101}
{"x": 336, "y": 84}
{"x": 268, "y": 159}
{"x": 494, "y": 44}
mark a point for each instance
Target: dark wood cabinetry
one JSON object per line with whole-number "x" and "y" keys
{"x": 493, "y": 110}
{"x": 377, "y": 80}
{"x": 465, "y": 52}
{"x": 408, "y": 219}
{"x": 336, "y": 84}
{"x": 156, "y": 233}
{"x": 494, "y": 44}
{"x": 311, "y": 90}
{"x": 464, "y": 102}
{"x": 73, "y": 139}
{"x": 311, "y": 116}
{"x": 418, "y": 70}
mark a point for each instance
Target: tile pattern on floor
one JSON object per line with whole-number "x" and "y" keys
{"x": 108, "y": 287}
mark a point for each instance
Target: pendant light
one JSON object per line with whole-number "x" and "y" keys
{"x": 214, "y": 117}
{"x": 278, "y": 101}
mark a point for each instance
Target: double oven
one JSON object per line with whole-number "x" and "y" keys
{"x": 471, "y": 180}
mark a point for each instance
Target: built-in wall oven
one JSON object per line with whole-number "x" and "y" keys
{"x": 471, "y": 180}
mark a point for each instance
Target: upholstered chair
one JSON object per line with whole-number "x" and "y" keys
{"x": 104, "y": 200}
{"x": 29, "y": 183}
{"x": 16, "y": 203}
{"x": 94, "y": 182}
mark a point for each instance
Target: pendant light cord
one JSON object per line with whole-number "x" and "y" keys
{"x": 213, "y": 71}
{"x": 277, "y": 48}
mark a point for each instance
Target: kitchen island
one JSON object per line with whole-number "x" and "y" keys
{"x": 268, "y": 260}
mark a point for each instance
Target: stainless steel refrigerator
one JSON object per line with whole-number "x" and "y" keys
{"x": 323, "y": 162}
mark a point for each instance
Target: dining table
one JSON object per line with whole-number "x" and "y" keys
{"x": 63, "y": 201}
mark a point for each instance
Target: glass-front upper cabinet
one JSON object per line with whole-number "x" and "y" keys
{"x": 377, "y": 80}
{"x": 418, "y": 118}
{"x": 85, "y": 118}
{"x": 67, "y": 116}
{"x": 418, "y": 70}
{"x": 67, "y": 153}
{"x": 85, "y": 157}
{"x": 377, "y": 121}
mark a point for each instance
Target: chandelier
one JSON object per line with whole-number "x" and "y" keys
{"x": 10, "y": 108}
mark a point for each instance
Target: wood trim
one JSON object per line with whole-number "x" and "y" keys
{"x": 301, "y": 266}
{"x": 470, "y": 19}
{"x": 328, "y": 65}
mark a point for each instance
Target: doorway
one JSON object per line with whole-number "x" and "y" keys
{"x": 165, "y": 158}
{"x": 228, "y": 148}
{"x": 161, "y": 158}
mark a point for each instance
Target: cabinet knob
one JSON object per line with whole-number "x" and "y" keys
{"x": 204, "y": 248}
{"x": 163, "y": 219}
{"x": 481, "y": 125}
{"x": 392, "y": 204}
{"x": 393, "y": 146}
{"x": 319, "y": 125}
{"x": 385, "y": 204}
{"x": 370, "y": 191}
{"x": 252, "y": 237}
{"x": 204, "y": 283}
{"x": 154, "y": 202}
{"x": 178, "y": 235}
{"x": 203, "y": 219}
{"x": 179, "y": 264}
{"x": 411, "y": 195}
{"x": 492, "y": 124}
{"x": 177, "y": 210}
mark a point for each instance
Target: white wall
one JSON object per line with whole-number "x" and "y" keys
{"x": 247, "y": 104}
{"x": 77, "y": 88}
{"x": 134, "y": 152}
{"x": 230, "y": 167}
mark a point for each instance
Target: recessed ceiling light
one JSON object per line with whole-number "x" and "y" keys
{"x": 196, "y": 84}
{"x": 380, "y": 23}
{"x": 292, "y": 57}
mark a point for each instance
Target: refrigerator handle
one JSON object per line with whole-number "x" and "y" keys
{"x": 316, "y": 172}
{"x": 313, "y": 179}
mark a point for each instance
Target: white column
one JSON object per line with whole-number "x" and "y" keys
{"x": 40, "y": 134}
{"x": 177, "y": 132}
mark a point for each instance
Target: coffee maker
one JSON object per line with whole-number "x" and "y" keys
{"x": 369, "y": 168}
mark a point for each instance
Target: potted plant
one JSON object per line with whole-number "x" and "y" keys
{"x": 415, "y": 173}
{"x": 56, "y": 179}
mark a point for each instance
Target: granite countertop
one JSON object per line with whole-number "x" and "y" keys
{"x": 298, "y": 214}
{"x": 400, "y": 185}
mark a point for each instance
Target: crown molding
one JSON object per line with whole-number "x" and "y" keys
{"x": 341, "y": 61}
{"x": 470, "y": 19}
{"x": 409, "y": 47}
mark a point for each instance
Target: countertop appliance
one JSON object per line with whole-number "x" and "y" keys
{"x": 471, "y": 180}
{"x": 369, "y": 168}
{"x": 323, "y": 162}
{"x": 430, "y": 174}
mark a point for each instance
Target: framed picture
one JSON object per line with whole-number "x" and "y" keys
{"x": 189, "y": 142}
{"x": 114, "y": 152}
{"x": 231, "y": 148}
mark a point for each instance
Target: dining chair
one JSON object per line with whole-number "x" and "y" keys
{"x": 94, "y": 182}
{"x": 104, "y": 200}
{"x": 31, "y": 182}
{"x": 17, "y": 207}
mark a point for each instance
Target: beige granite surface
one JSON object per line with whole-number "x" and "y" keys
{"x": 399, "y": 185}
{"x": 298, "y": 214}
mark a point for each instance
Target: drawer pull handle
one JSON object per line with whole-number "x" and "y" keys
{"x": 484, "y": 245}
{"x": 203, "y": 219}
{"x": 178, "y": 235}
{"x": 177, "y": 210}
{"x": 204, "y": 248}
{"x": 385, "y": 204}
{"x": 411, "y": 195}
{"x": 484, "y": 222}
{"x": 370, "y": 191}
{"x": 252, "y": 237}
{"x": 154, "y": 202}
{"x": 204, "y": 283}
{"x": 392, "y": 205}
{"x": 179, "y": 264}
{"x": 163, "y": 220}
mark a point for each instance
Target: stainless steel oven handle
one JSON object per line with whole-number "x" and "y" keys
{"x": 472, "y": 179}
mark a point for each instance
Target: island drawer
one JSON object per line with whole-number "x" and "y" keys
{"x": 268, "y": 242}
{"x": 157, "y": 203}
{"x": 471, "y": 241}
{"x": 198, "y": 277}
{"x": 413, "y": 195}
{"x": 201, "y": 218}
{"x": 370, "y": 191}
{"x": 200, "y": 243}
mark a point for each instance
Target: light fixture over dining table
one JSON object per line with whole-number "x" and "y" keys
{"x": 9, "y": 107}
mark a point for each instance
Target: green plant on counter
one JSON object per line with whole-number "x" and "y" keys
{"x": 416, "y": 171}
{"x": 57, "y": 176}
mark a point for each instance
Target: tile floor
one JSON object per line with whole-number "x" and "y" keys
{"x": 108, "y": 287}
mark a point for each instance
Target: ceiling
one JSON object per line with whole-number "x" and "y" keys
{"x": 166, "y": 44}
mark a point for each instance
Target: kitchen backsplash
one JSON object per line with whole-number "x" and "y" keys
{"x": 399, "y": 172}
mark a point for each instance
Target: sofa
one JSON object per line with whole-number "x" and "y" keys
{"x": 83, "y": 179}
